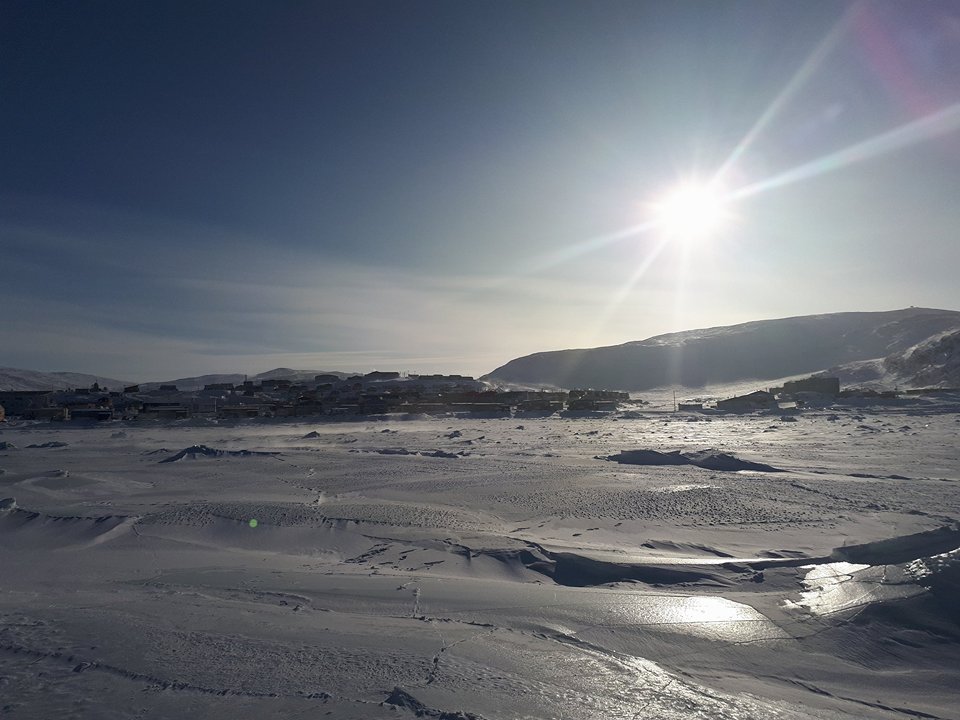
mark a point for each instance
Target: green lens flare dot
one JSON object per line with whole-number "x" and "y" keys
{"x": 253, "y": 522}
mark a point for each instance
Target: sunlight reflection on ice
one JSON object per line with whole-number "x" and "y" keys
{"x": 715, "y": 618}
{"x": 834, "y": 587}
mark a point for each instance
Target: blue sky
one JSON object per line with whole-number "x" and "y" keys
{"x": 191, "y": 187}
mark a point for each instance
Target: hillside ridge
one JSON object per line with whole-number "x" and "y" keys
{"x": 759, "y": 349}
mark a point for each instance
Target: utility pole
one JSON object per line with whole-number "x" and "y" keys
{"x": 674, "y": 400}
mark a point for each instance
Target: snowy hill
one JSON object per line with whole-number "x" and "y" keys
{"x": 933, "y": 362}
{"x": 765, "y": 349}
{"x": 19, "y": 379}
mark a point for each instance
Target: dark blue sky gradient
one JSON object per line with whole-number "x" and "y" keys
{"x": 293, "y": 117}
{"x": 440, "y": 139}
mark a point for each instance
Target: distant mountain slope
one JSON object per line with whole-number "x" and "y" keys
{"x": 20, "y": 379}
{"x": 297, "y": 375}
{"x": 195, "y": 383}
{"x": 764, "y": 349}
{"x": 198, "y": 382}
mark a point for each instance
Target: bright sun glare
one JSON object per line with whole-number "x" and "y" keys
{"x": 692, "y": 211}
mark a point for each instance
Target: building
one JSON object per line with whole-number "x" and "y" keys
{"x": 379, "y": 375}
{"x": 595, "y": 400}
{"x": 759, "y": 400}
{"x": 99, "y": 414}
{"x": 823, "y": 385}
{"x": 238, "y": 412}
{"x": 163, "y": 411}
{"x": 218, "y": 388}
{"x": 18, "y": 402}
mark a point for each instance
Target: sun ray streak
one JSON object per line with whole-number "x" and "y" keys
{"x": 812, "y": 63}
{"x": 620, "y": 295}
{"x": 939, "y": 123}
{"x": 584, "y": 247}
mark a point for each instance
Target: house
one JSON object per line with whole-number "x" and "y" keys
{"x": 46, "y": 413}
{"x": 99, "y": 414}
{"x": 221, "y": 388}
{"x": 822, "y": 385}
{"x": 17, "y": 402}
{"x": 759, "y": 400}
{"x": 595, "y": 400}
{"x": 163, "y": 411}
{"x": 237, "y": 412}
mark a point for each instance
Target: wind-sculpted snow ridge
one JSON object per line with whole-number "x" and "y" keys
{"x": 28, "y": 529}
{"x": 195, "y": 451}
{"x": 902, "y": 549}
{"x": 706, "y": 459}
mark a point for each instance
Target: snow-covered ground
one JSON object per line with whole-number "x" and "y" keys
{"x": 500, "y": 568}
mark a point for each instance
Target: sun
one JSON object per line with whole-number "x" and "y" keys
{"x": 692, "y": 211}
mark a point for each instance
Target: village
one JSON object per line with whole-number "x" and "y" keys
{"x": 376, "y": 393}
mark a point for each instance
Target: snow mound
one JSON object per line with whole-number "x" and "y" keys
{"x": 706, "y": 459}
{"x": 195, "y": 451}
{"x": 400, "y": 698}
